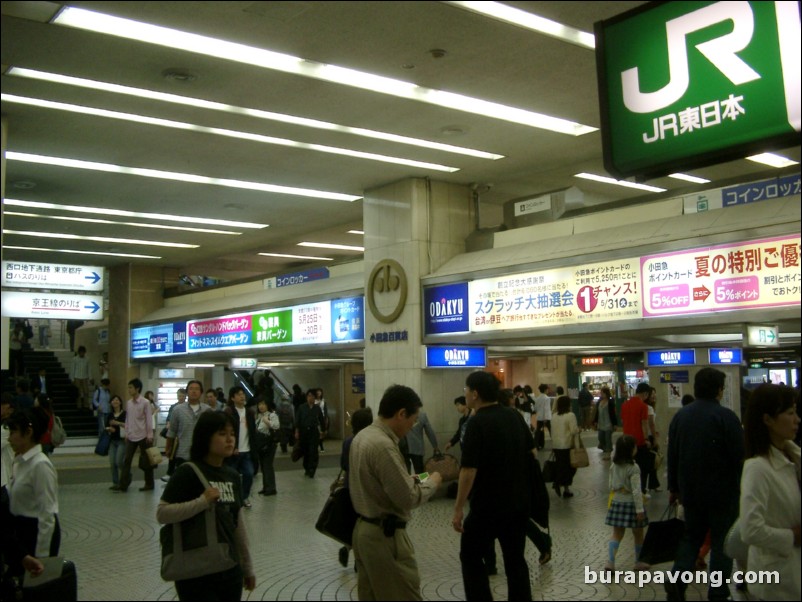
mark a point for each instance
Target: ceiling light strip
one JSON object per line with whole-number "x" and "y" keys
{"x": 113, "y": 223}
{"x": 266, "y": 59}
{"x": 526, "y": 20}
{"x": 255, "y": 113}
{"x": 191, "y": 127}
{"x": 122, "y": 213}
{"x": 286, "y": 256}
{"x": 70, "y": 251}
{"x": 624, "y": 183}
{"x": 772, "y": 160}
{"x": 123, "y": 241}
{"x": 325, "y": 245}
{"x": 688, "y": 178}
{"x": 177, "y": 176}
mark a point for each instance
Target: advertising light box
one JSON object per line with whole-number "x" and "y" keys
{"x": 446, "y": 309}
{"x": 725, "y": 356}
{"x": 438, "y": 356}
{"x": 688, "y": 84}
{"x": 671, "y": 357}
{"x": 159, "y": 340}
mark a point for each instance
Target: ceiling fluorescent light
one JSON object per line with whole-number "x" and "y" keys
{"x": 191, "y": 127}
{"x": 200, "y": 365}
{"x": 526, "y": 20}
{"x": 356, "y": 232}
{"x": 624, "y": 183}
{"x": 177, "y": 176}
{"x": 113, "y": 223}
{"x": 296, "y": 256}
{"x": 123, "y": 241}
{"x": 772, "y": 160}
{"x": 324, "y": 245}
{"x": 266, "y": 59}
{"x": 255, "y": 113}
{"x": 131, "y": 255}
{"x": 184, "y": 219}
{"x": 688, "y": 178}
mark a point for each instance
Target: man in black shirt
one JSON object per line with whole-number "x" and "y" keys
{"x": 494, "y": 475}
{"x": 308, "y": 426}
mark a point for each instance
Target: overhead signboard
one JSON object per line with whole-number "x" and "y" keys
{"x": 688, "y": 84}
{"x": 159, "y": 340}
{"x": 762, "y": 335}
{"x": 52, "y": 306}
{"x": 751, "y": 275}
{"x": 590, "y": 294}
{"x": 52, "y": 276}
{"x": 446, "y": 309}
{"x": 348, "y": 320}
{"x": 725, "y": 356}
{"x": 448, "y": 356}
{"x": 671, "y": 357}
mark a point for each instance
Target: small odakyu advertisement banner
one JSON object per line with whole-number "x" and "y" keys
{"x": 446, "y": 309}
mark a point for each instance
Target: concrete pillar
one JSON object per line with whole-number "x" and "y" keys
{"x": 412, "y": 227}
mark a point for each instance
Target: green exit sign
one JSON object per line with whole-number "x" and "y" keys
{"x": 688, "y": 84}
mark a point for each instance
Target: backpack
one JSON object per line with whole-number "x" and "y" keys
{"x": 58, "y": 435}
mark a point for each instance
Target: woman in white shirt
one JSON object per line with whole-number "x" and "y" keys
{"x": 770, "y": 492}
{"x": 33, "y": 485}
{"x": 563, "y": 429}
{"x": 267, "y": 425}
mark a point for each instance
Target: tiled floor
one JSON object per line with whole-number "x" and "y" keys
{"x": 114, "y": 540}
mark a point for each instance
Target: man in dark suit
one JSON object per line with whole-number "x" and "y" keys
{"x": 40, "y": 384}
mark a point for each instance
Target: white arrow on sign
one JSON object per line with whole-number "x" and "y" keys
{"x": 55, "y": 306}
{"x": 25, "y": 274}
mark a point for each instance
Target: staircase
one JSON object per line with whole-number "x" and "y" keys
{"x": 61, "y": 392}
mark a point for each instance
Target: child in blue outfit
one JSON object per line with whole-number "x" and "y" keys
{"x": 626, "y": 501}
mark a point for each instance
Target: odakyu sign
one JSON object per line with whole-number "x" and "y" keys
{"x": 446, "y": 309}
{"x": 688, "y": 84}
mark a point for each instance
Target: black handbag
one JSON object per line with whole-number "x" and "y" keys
{"x": 662, "y": 538}
{"x": 103, "y": 444}
{"x": 550, "y": 469}
{"x": 338, "y": 517}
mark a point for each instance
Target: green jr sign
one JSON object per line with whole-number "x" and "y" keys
{"x": 688, "y": 84}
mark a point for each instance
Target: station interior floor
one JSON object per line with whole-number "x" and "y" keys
{"x": 113, "y": 539}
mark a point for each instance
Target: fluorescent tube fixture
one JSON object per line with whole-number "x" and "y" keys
{"x": 123, "y": 241}
{"x": 296, "y": 256}
{"x": 83, "y": 252}
{"x": 113, "y": 223}
{"x": 266, "y": 59}
{"x": 184, "y": 219}
{"x": 255, "y": 113}
{"x": 687, "y": 178}
{"x": 177, "y": 176}
{"x": 624, "y": 183}
{"x": 324, "y": 245}
{"x": 526, "y": 20}
{"x": 200, "y": 365}
{"x": 191, "y": 127}
{"x": 772, "y": 160}
{"x": 356, "y": 232}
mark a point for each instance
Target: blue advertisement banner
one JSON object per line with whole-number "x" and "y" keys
{"x": 725, "y": 356}
{"x": 671, "y": 357}
{"x": 446, "y": 309}
{"x": 455, "y": 357}
{"x": 159, "y": 340}
{"x": 348, "y": 319}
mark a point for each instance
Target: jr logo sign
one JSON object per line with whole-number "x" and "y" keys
{"x": 688, "y": 84}
{"x": 720, "y": 51}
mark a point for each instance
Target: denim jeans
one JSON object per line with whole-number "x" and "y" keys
{"x": 116, "y": 459}
{"x": 243, "y": 464}
{"x": 718, "y": 518}
{"x": 606, "y": 441}
{"x": 101, "y": 422}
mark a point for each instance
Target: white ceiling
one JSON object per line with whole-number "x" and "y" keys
{"x": 483, "y": 58}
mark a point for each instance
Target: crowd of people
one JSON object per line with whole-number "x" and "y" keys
{"x": 722, "y": 472}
